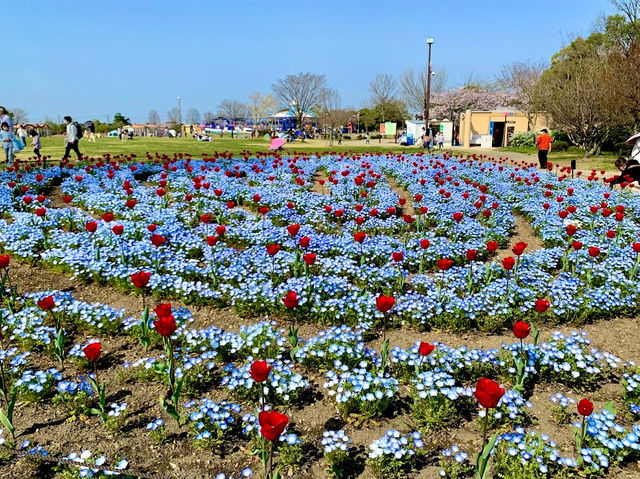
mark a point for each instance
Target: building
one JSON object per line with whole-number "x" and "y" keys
{"x": 492, "y": 129}
{"x": 415, "y": 129}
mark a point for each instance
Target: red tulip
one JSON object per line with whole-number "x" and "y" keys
{"x": 519, "y": 248}
{"x": 304, "y": 242}
{"x": 272, "y": 249}
{"x": 577, "y": 245}
{"x": 521, "y": 329}
{"x": 571, "y": 230}
{"x": 4, "y": 261}
{"x": 46, "y": 303}
{"x": 91, "y": 226}
{"x": 542, "y": 305}
{"x": 508, "y": 263}
{"x": 231, "y": 204}
{"x": 205, "y": 219}
{"x": 611, "y": 234}
{"x": 408, "y": 219}
{"x": 256, "y": 198}
{"x": 385, "y": 303}
{"x": 291, "y": 299}
{"x": 425, "y": 349}
{"x": 157, "y": 240}
{"x": 458, "y": 217}
{"x": 221, "y": 230}
{"x": 492, "y": 246}
{"x": 67, "y": 198}
{"x": 161, "y": 192}
{"x": 471, "y": 254}
{"x": 212, "y": 240}
{"x": 166, "y": 326}
{"x": 118, "y": 230}
{"x": 293, "y": 229}
{"x": 272, "y": 424}
{"x": 263, "y": 210}
{"x": 360, "y": 236}
{"x": 131, "y": 203}
{"x": 309, "y": 258}
{"x": 488, "y": 393}
{"x": 107, "y": 217}
{"x": 41, "y": 212}
{"x": 92, "y": 351}
{"x": 594, "y": 251}
{"x": 397, "y": 256}
{"x": 140, "y": 279}
{"x": 636, "y": 247}
{"x": 585, "y": 407}
{"x": 425, "y": 243}
{"x": 163, "y": 310}
{"x": 444, "y": 264}
{"x": 152, "y": 227}
{"x": 260, "y": 370}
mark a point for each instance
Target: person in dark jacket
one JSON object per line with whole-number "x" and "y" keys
{"x": 629, "y": 171}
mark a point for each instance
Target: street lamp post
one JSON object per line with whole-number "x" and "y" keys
{"x": 427, "y": 100}
{"x": 179, "y": 112}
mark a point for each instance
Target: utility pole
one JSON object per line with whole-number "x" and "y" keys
{"x": 427, "y": 100}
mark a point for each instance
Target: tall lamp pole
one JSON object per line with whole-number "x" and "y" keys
{"x": 427, "y": 100}
{"x": 179, "y": 112}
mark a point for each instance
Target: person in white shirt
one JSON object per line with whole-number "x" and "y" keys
{"x": 71, "y": 140}
{"x": 22, "y": 134}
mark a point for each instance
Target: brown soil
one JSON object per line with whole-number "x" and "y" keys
{"x": 402, "y": 193}
{"x": 317, "y": 187}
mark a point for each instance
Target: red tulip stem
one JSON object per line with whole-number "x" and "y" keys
{"x": 144, "y": 306}
{"x": 95, "y": 370}
{"x": 485, "y": 425}
{"x": 584, "y": 430}
{"x": 270, "y": 461}
{"x": 522, "y": 352}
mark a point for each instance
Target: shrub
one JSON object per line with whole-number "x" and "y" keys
{"x": 560, "y": 146}
{"x": 347, "y": 137}
{"x": 524, "y": 138}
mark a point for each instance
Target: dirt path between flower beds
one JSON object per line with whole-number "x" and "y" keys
{"x": 408, "y": 207}
{"x": 522, "y": 231}
{"x": 316, "y": 187}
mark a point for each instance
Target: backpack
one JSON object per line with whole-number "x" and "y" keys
{"x": 79, "y": 130}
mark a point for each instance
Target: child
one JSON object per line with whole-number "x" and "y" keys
{"x": 7, "y": 138}
{"x": 35, "y": 142}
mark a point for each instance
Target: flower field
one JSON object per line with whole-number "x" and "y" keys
{"x": 362, "y": 315}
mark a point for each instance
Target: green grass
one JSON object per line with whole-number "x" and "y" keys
{"x": 54, "y": 146}
{"x": 603, "y": 161}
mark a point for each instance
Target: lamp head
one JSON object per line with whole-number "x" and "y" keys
{"x": 430, "y": 40}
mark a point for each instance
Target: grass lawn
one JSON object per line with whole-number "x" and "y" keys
{"x": 603, "y": 161}
{"x": 54, "y": 146}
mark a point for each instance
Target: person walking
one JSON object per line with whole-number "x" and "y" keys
{"x": 22, "y": 134}
{"x": 9, "y": 142}
{"x": 35, "y": 143}
{"x": 71, "y": 140}
{"x": 367, "y": 138}
{"x": 5, "y": 118}
{"x": 543, "y": 142}
{"x": 440, "y": 140}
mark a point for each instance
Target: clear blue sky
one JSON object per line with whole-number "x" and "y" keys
{"x": 93, "y": 58}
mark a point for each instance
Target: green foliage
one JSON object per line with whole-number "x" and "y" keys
{"x": 524, "y": 138}
{"x": 561, "y": 414}
{"x": 291, "y": 454}
{"x": 339, "y": 464}
{"x": 119, "y": 120}
{"x": 75, "y": 404}
{"x": 560, "y": 146}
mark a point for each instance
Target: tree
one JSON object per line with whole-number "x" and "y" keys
{"x": 208, "y": 116}
{"x": 302, "y": 92}
{"x": 119, "y": 120}
{"x": 232, "y": 109}
{"x": 192, "y": 116}
{"x": 414, "y": 88}
{"x": 329, "y": 109}
{"x": 259, "y": 107}
{"x": 572, "y": 94}
{"x": 153, "y": 117}
{"x": 173, "y": 115}
{"x": 523, "y": 81}
{"x": 19, "y": 115}
{"x": 383, "y": 90}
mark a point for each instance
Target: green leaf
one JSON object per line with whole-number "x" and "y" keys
{"x": 178, "y": 390}
{"x": 170, "y": 409}
{"x": 610, "y": 407}
{"x": 60, "y": 340}
{"x": 7, "y": 420}
{"x": 160, "y": 367}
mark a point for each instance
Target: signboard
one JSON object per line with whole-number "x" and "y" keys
{"x": 491, "y": 128}
{"x": 389, "y": 128}
{"x": 442, "y": 127}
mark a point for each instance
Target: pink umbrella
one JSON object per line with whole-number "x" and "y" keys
{"x": 633, "y": 139}
{"x": 276, "y": 143}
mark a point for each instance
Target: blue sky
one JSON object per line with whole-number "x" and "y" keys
{"x": 93, "y": 58}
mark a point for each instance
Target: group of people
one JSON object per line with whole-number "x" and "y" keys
{"x": 15, "y": 141}
{"x": 429, "y": 139}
